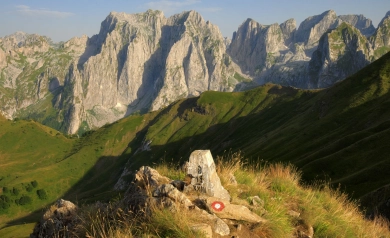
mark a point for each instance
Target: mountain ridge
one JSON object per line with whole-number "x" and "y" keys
{"x": 141, "y": 62}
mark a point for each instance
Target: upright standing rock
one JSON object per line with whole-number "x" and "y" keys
{"x": 201, "y": 167}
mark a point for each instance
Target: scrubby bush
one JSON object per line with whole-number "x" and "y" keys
{"x": 3, "y": 206}
{"x": 25, "y": 200}
{"x": 5, "y": 190}
{"x": 5, "y": 198}
{"x": 34, "y": 183}
{"x": 29, "y": 187}
{"x": 42, "y": 194}
{"x": 15, "y": 191}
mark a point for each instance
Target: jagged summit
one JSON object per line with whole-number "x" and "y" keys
{"x": 360, "y": 22}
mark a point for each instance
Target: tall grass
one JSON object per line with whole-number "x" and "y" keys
{"x": 319, "y": 208}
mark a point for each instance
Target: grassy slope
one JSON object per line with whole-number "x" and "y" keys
{"x": 75, "y": 169}
{"x": 340, "y": 133}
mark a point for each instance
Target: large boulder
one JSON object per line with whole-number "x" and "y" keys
{"x": 204, "y": 177}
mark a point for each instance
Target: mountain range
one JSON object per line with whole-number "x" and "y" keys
{"x": 143, "y": 62}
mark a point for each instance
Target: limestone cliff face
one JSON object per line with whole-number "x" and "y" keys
{"x": 141, "y": 62}
{"x": 340, "y": 53}
{"x": 288, "y": 29}
{"x": 255, "y": 47}
{"x": 301, "y": 59}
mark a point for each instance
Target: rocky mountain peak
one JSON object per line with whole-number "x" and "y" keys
{"x": 288, "y": 28}
{"x": 312, "y": 28}
{"x": 340, "y": 53}
{"x": 360, "y": 22}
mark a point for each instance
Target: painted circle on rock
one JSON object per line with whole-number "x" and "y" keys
{"x": 218, "y": 206}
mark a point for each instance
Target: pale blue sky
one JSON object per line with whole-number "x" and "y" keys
{"x": 62, "y": 20}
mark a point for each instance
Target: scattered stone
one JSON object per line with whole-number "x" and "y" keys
{"x": 218, "y": 226}
{"x": 60, "y": 218}
{"x": 168, "y": 190}
{"x": 203, "y": 228}
{"x": 201, "y": 167}
{"x": 148, "y": 177}
{"x": 257, "y": 202}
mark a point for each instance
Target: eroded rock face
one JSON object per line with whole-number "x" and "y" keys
{"x": 201, "y": 167}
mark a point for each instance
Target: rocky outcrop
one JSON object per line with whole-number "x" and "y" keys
{"x": 340, "y": 53}
{"x": 61, "y": 218}
{"x": 360, "y": 22}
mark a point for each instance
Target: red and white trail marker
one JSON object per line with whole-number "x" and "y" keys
{"x": 218, "y": 206}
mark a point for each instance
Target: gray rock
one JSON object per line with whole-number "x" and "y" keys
{"x": 205, "y": 178}
{"x": 149, "y": 178}
{"x": 168, "y": 190}
{"x": 218, "y": 225}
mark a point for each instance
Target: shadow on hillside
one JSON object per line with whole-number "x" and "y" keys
{"x": 312, "y": 131}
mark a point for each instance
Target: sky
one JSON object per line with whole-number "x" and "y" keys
{"x": 62, "y": 20}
